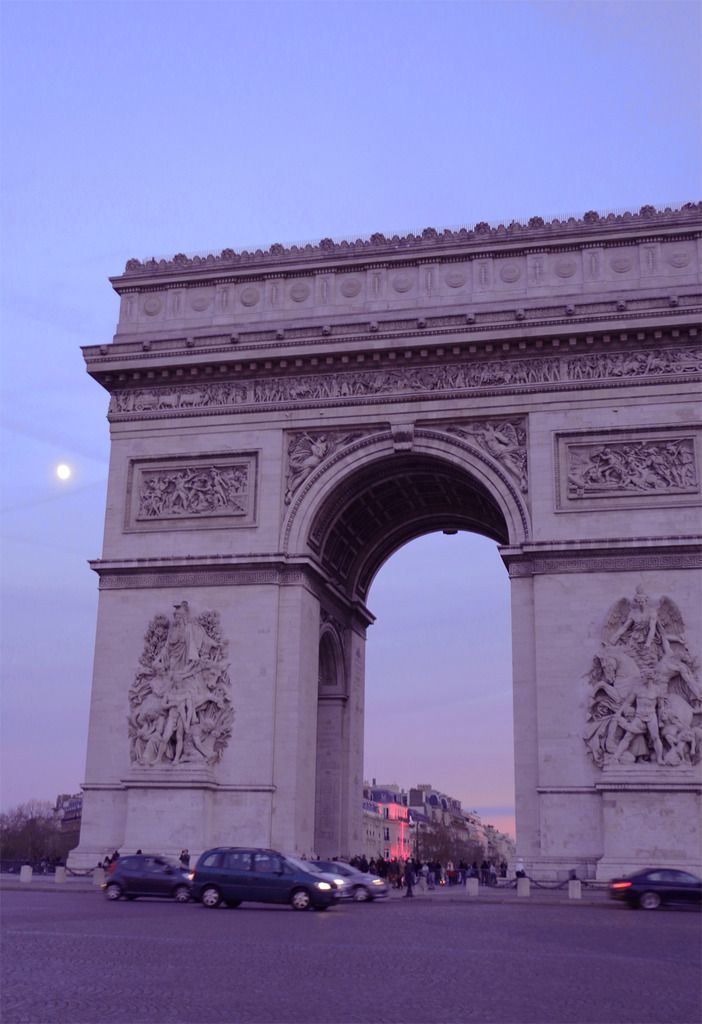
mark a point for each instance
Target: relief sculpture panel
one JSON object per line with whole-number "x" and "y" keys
{"x": 180, "y": 709}
{"x": 664, "y": 467}
{"x": 627, "y": 468}
{"x": 167, "y": 494}
{"x": 645, "y": 698}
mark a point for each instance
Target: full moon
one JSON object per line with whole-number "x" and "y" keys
{"x": 63, "y": 471}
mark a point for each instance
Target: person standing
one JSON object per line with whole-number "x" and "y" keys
{"x": 409, "y": 877}
{"x": 184, "y": 859}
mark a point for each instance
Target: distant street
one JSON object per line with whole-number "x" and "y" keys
{"x": 74, "y": 958}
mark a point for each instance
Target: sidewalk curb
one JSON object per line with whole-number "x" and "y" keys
{"x": 81, "y": 886}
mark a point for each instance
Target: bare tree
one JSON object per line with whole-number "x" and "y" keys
{"x": 439, "y": 842}
{"x": 30, "y": 832}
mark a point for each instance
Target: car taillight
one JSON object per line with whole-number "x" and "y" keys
{"x": 621, "y": 885}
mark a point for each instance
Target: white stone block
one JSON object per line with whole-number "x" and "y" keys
{"x": 575, "y": 889}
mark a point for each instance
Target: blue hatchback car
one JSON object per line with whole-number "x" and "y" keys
{"x": 236, "y": 875}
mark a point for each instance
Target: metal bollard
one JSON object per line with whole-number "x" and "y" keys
{"x": 98, "y": 876}
{"x": 523, "y": 887}
{"x": 472, "y": 887}
{"x": 575, "y": 889}
{"x": 25, "y": 873}
{"x": 60, "y": 875}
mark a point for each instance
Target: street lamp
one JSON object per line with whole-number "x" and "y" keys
{"x": 415, "y": 825}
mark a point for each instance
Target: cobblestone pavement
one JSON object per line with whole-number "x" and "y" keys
{"x": 79, "y": 959}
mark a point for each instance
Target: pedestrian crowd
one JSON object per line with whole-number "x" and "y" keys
{"x": 428, "y": 874}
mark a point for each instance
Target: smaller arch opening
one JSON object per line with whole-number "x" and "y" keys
{"x": 330, "y": 666}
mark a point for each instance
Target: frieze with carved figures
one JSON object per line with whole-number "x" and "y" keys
{"x": 408, "y": 382}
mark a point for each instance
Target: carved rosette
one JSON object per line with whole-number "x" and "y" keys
{"x": 504, "y": 440}
{"x": 180, "y": 710}
{"x": 645, "y": 699}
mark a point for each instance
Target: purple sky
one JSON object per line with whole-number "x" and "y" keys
{"x": 132, "y": 129}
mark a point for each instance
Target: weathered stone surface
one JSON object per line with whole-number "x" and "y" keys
{"x": 282, "y": 421}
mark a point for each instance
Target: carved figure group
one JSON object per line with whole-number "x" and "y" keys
{"x": 180, "y": 706}
{"x": 505, "y": 440}
{"x": 305, "y": 453}
{"x": 193, "y": 492}
{"x": 511, "y": 372}
{"x": 667, "y": 465}
{"x": 645, "y": 701}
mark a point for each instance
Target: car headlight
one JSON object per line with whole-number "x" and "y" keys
{"x": 377, "y": 881}
{"x": 323, "y": 885}
{"x": 341, "y": 882}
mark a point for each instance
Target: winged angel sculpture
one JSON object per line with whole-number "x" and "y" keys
{"x": 180, "y": 710}
{"x": 645, "y": 702}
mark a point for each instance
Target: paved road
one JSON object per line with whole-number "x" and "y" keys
{"x": 74, "y": 957}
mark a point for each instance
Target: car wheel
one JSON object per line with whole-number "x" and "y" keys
{"x": 210, "y": 897}
{"x": 233, "y": 903}
{"x": 181, "y": 894}
{"x": 113, "y": 891}
{"x": 300, "y": 900}
{"x": 360, "y": 894}
{"x": 649, "y": 901}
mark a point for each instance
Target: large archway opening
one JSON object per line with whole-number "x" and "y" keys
{"x": 438, "y": 695}
{"x": 372, "y": 513}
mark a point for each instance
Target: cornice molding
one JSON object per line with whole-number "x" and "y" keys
{"x": 537, "y": 230}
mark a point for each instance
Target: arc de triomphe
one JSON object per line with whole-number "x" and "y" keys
{"x": 282, "y": 421}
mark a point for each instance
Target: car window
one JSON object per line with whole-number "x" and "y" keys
{"x": 303, "y": 865}
{"x": 128, "y": 863}
{"x": 164, "y": 866}
{"x": 680, "y": 877}
{"x": 656, "y": 876}
{"x": 212, "y": 860}
{"x": 266, "y": 863}
{"x": 238, "y": 860}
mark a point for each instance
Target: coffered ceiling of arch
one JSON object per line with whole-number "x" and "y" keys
{"x": 397, "y": 499}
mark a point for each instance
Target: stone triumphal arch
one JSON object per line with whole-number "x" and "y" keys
{"x": 283, "y": 420}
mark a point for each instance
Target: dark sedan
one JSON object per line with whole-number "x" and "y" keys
{"x": 657, "y": 887}
{"x": 143, "y": 875}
